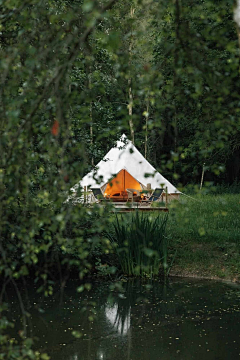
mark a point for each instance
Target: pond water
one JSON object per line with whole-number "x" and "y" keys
{"x": 181, "y": 319}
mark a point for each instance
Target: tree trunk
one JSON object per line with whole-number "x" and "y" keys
{"x": 130, "y": 105}
{"x": 130, "y": 110}
{"x": 91, "y": 131}
{"x": 146, "y": 130}
{"x": 236, "y": 17}
{"x": 91, "y": 114}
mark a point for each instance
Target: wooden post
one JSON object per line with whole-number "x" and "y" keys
{"x": 162, "y": 197}
{"x": 202, "y": 176}
{"x": 84, "y": 194}
{"x": 149, "y": 188}
{"x": 166, "y": 196}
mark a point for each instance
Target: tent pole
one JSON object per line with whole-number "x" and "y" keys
{"x": 124, "y": 179}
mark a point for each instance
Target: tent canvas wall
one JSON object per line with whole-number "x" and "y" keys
{"x": 122, "y": 181}
{"x": 125, "y": 167}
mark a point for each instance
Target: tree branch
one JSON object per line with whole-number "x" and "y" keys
{"x": 60, "y": 73}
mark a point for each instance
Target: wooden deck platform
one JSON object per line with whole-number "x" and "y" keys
{"x": 129, "y": 207}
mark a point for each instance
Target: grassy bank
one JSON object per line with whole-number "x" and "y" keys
{"x": 204, "y": 236}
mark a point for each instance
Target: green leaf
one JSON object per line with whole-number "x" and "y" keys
{"x": 87, "y": 5}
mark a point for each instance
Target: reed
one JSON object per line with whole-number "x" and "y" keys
{"x": 140, "y": 243}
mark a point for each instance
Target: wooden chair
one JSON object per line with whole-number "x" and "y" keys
{"x": 131, "y": 195}
{"x": 97, "y": 194}
{"x": 154, "y": 197}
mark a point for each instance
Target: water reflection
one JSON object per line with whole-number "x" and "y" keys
{"x": 101, "y": 354}
{"x": 180, "y": 320}
{"x": 121, "y": 322}
{"x": 74, "y": 357}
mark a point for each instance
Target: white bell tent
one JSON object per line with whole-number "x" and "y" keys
{"x": 125, "y": 167}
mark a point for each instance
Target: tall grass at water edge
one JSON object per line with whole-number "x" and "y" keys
{"x": 140, "y": 243}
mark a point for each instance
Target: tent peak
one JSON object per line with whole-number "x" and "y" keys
{"x": 123, "y": 137}
{"x": 125, "y": 156}
{"x": 123, "y": 141}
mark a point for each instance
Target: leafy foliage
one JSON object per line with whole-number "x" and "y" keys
{"x": 197, "y": 57}
{"x": 66, "y": 69}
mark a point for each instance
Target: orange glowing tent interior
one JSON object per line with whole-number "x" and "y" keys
{"x": 122, "y": 181}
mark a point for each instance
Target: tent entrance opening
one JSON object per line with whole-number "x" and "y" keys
{"x": 118, "y": 185}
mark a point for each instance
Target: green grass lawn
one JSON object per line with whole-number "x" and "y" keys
{"x": 204, "y": 236}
